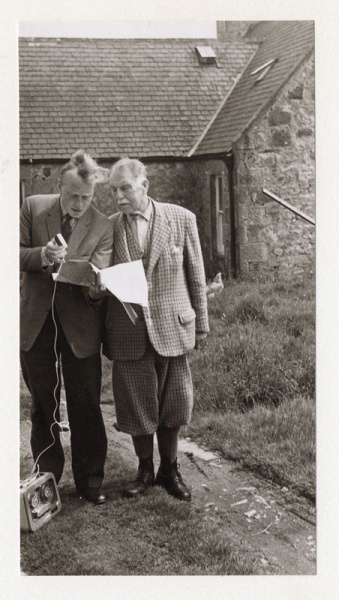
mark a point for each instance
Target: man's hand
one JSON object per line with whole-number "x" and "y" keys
{"x": 97, "y": 291}
{"x": 199, "y": 336}
{"x": 54, "y": 253}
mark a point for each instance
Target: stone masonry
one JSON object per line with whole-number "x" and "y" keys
{"x": 277, "y": 153}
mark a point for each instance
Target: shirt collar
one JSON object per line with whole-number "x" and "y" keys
{"x": 146, "y": 214}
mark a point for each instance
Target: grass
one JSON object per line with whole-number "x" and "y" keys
{"x": 260, "y": 350}
{"x": 151, "y": 535}
{"x": 255, "y": 381}
{"x": 254, "y": 403}
{"x": 278, "y": 443}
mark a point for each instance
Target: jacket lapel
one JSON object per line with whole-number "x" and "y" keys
{"x": 53, "y": 219}
{"x": 53, "y": 222}
{"x": 161, "y": 231}
{"x": 79, "y": 232}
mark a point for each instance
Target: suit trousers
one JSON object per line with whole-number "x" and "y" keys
{"x": 82, "y": 381}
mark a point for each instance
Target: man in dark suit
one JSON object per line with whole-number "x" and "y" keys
{"x": 152, "y": 383}
{"x": 61, "y": 320}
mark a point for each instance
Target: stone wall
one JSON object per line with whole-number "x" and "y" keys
{"x": 277, "y": 153}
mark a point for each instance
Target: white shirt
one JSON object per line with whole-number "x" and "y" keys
{"x": 142, "y": 222}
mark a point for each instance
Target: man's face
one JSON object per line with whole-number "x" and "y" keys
{"x": 76, "y": 194}
{"x": 129, "y": 192}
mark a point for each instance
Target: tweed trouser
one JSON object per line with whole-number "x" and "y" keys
{"x": 152, "y": 391}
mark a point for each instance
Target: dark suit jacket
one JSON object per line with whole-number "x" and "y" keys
{"x": 92, "y": 238}
{"x": 176, "y": 288}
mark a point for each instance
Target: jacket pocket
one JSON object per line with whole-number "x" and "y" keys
{"x": 187, "y": 316}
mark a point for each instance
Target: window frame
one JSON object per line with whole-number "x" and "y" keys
{"x": 218, "y": 213}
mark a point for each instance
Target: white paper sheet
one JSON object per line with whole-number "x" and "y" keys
{"x": 126, "y": 281}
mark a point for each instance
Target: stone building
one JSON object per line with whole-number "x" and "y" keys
{"x": 216, "y": 121}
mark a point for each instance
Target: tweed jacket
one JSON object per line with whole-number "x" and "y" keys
{"x": 40, "y": 221}
{"x": 176, "y": 287}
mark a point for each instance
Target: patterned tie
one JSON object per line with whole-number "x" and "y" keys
{"x": 134, "y": 228}
{"x": 66, "y": 228}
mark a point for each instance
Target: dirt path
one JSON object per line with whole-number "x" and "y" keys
{"x": 266, "y": 518}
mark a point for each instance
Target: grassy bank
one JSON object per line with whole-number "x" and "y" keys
{"x": 255, "y": 381}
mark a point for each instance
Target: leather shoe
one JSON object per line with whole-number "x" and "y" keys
{"x": 94, "y": 495}
{"x": 144, "y": 479}
{"x": 168, "y": 477}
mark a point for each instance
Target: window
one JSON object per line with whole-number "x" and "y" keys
{"x": 217, "y": 210}
{"x": 263, "y": 69}
{"x": 206, "y": 55}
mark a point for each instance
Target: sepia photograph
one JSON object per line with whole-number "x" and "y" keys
{"x": 180, "y": 422}
{"x": 168, "y": 339}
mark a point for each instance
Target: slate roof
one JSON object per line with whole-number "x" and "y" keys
{"x": 289, "y": 42}
{"x": 114, "y": 97}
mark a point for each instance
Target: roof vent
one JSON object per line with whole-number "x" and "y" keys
{"x": 206, "y": 55}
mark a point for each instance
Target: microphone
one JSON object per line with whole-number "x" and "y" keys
{"x": 60, "y": 240}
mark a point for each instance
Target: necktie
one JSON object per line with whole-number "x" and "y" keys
{"x": 134, "y": 228}
{"x": 66, "y": 228}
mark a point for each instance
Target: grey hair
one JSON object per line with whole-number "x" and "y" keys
{"x": 86, "y": 167}
{"x": 135, "y": 166}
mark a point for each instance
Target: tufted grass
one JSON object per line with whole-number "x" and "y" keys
{"x": 255, "y": 380}
{"x": 261, "y": 350}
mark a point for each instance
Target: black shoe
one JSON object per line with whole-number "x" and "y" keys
{"x": 144, "y": 479}
{"x": 169, "y": 478}
{"x": 94, "y": 495}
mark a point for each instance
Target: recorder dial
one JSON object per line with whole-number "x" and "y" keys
{"x": 34, "y": 499}
{"x": 47, "y": 492}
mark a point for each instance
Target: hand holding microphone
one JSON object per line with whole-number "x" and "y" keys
{"x": 56, "y": 249}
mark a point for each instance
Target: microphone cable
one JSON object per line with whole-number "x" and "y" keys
{"x": 62, "y": 424}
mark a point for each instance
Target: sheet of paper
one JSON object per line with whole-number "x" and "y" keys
{"x": 127, "y": 282}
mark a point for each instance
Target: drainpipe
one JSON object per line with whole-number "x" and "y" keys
{"x": 229, "y": 161}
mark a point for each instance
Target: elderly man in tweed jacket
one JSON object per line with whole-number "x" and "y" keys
{"x": 152, "y": 382}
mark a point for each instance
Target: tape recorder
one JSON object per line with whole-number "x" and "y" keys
{"x": 39, "y": 501}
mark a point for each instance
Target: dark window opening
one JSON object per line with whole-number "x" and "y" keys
{"x": 217, "y": 212}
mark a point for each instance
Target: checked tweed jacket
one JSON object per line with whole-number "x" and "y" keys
{"x": 176, "y": 284}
